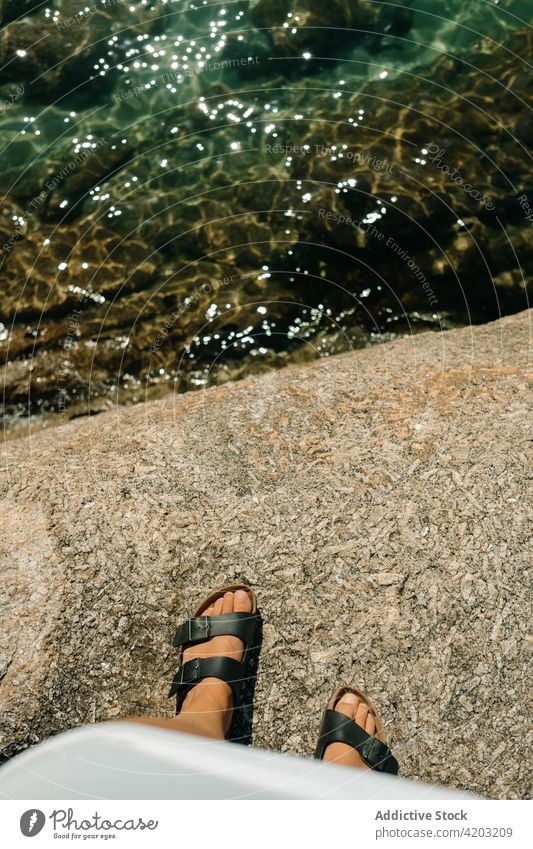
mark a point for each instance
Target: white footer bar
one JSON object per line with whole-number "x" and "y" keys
{"x": 266, "y": 824}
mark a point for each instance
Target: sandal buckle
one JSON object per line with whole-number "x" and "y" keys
{"x": 196, "y": 670}
{"x": 196, "y": 624}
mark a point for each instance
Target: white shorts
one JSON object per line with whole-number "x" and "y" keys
{"x": 121, "y": 760}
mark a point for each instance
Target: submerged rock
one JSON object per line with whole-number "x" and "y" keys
{"x": 314, "y": 26}
{"x": 72, "y": 53}
{"x": 76, "y": 168}
{"x": 10, "y": 10}
{"x": 53, "y": 60}
{"x": 384, "y": 492}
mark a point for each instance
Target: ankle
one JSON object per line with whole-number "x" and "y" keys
{"x": 210, "y": 696}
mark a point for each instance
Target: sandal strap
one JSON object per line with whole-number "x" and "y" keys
{"x": 201, "y": 628}
{"x": 189, "y": 674}
{"x": 338, "y": 728}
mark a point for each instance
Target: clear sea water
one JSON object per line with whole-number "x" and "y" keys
{"x": 193, "y": 192}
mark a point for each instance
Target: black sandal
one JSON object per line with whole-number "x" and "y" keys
{"x": 338, "y": 728}
{"x": 199, "y": 629}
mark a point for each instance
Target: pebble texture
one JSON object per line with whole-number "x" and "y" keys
{"x": 377, "y": 502}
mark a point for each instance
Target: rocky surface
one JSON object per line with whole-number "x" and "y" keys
{"x": 377, "y": 501}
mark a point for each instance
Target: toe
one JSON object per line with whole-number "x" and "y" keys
{"x": 242, "y": 602}
{"x": 227, "y": 603}
{"x": 370, "y": 725}
{"x": 217, "y": 607}
{"x": 347, "y": 705}
{"x": 361, "y": 714}
{"x": 209, "y": 611}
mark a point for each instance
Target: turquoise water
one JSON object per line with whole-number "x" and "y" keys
{"x": 195, "y": 191}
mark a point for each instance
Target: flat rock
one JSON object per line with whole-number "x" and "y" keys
{"x": 377, "y": 502}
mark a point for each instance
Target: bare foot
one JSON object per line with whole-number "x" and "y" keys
{"x": 212, "y": 699}
{"x": 340, "y": 753}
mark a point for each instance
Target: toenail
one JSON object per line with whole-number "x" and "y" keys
{"x": 349, "y": 698}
